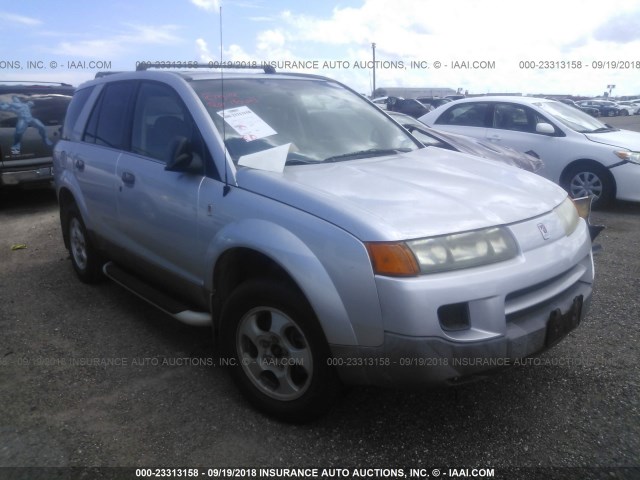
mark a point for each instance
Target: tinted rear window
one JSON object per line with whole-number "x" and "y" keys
{"x": 108, "y": 124}
{"x": 75, "y": 107}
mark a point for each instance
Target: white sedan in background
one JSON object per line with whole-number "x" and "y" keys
{"x": 582, "y": 154}
{"x": 634, "y": 106}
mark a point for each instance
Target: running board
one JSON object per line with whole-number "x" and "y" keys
{"x": 155, "y": 297}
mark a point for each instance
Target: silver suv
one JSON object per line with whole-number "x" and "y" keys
{"x": 321, "y": 241}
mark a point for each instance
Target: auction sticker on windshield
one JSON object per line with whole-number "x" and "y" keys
{"x": 246, "y": 123}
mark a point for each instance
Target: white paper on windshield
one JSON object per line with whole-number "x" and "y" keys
{"x": 272, "y": 159}
{"x": 246, "y": 123}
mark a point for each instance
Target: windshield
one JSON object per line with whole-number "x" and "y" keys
{"x": 573, "y": 118}
{"x": 318, "y": 119}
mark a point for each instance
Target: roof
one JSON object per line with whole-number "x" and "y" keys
{"x": 170, "y": 76}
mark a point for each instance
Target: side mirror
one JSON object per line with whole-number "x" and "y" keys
{"x": 180, "y": 155}
{"x": 545, "y": 128}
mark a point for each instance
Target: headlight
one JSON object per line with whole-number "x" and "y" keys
{"x": 443, "y": 253}
{"x": 568, "y": 216}
{"x": 464, "y": 250}
{"x": 629, "y": 156}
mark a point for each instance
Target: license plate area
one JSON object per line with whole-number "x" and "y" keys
{"x": 559, "y": 324}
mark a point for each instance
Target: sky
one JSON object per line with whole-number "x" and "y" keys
{"x": 492, "y": 46}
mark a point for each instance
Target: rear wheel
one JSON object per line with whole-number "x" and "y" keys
{"x": 277, "y": 351}
{"x": 590, "y": 179}
{"x": 85, "y": 259}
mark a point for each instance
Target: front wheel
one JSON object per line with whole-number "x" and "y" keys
{"x": 277, "y": 351}
{"x": 590, "y": 180}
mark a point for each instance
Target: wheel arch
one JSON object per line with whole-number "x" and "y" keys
{"x": 585, "y": 161}
{"x": 279, "y": 255}
{"x": 65, "y": 200}
{"x": 566, "y": 172}
{"x": 239, "y": 264}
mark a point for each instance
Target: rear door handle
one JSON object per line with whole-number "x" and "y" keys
{"x": 128, "y": 178}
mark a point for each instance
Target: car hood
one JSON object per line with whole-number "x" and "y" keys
{"x": 422, "y": 193}
{"x": 620, "y": 138}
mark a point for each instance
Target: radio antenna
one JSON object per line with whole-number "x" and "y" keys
{"x": 226, "y": 188}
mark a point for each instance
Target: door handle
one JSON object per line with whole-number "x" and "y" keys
{"x": 128, "y": 178}
{"x": 79, "y": 164}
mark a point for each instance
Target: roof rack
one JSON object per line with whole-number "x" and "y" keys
{"x": 265, "y": 67}
{"x": 104, "y": 74}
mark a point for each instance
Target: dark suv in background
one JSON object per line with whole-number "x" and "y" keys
{"x": 31, "y": 116}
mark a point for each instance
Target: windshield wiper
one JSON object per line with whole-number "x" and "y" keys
{"x": 372, "y": 152}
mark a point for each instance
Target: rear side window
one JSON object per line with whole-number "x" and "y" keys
{"x": 108, "y": 124}
{"x": 73, "y": 112}
{"x": 467, "y": 114}
{"x": 518, "y": 118}
{"x": 508, "y": 116}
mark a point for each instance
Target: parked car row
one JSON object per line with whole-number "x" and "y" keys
{"x": 593, "y": 111}
{"x": 608, "y": 108}
{"x": 632, "y": 106}
{"x": 408, "y": 106}
{"x": 414, "y": 107}
{"x": 434, "y": 102}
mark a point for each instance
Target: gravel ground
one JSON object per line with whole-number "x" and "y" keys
{"x": 162, "y": 402}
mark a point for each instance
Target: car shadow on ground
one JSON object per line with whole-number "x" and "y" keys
{"x": 14, "y": 200}
{"x": 622, "y": 207}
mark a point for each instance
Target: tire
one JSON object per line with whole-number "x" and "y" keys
{"x": 85, "y": 259}
{"x": 611, "y": 113}
{"x": 624, "y": 113}
{"x": 587, "y": 179}
{"x": 265, "y": 322}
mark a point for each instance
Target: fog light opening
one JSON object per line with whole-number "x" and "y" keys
{"x": 454, "y": 317}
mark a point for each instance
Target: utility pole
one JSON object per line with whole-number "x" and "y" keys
{"x": 373, "y": 48}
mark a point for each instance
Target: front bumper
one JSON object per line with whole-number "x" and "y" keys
{"x": 627, "y": 178}
{"x": 442, "y": 328}
{"x": 412, "y": 362}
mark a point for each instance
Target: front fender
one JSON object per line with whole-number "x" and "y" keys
{"x": 331, "y": 269}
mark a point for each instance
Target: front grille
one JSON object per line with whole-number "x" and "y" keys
{"x": 543, "y": 295}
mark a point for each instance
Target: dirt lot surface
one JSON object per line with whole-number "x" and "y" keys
{"x": 92, "y": 376}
